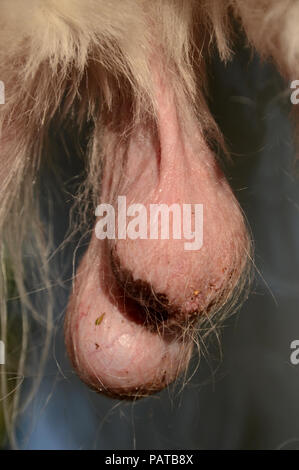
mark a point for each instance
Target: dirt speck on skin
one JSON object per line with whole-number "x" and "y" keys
{"x": 99, "y": 319}
{"x": 163, "y": 379}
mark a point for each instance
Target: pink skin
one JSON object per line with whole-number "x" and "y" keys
{"x": 121, "y": 355}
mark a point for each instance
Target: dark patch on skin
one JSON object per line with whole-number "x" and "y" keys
{"x": 155, "y": 311}
{"x": 148, "y": 307}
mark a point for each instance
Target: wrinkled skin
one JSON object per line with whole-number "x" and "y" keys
{"x": 135, "y": 300}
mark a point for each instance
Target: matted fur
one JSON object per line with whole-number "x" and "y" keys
{"x": 91, "y": 60}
